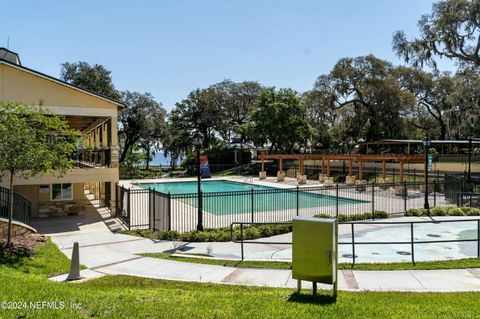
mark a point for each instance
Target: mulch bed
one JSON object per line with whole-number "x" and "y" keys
{"x": 22, "y": 245}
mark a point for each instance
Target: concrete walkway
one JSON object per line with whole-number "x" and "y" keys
{"x": 106, "y": 253}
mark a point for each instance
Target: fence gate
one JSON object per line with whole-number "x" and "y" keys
{"x": 122, "y": 201}
{"x": 159, "y": 211}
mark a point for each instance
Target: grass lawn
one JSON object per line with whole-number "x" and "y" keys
{"x": 132, "y": 297}
{"x": 430, "y": 265}
{"x": 48, "y": 261}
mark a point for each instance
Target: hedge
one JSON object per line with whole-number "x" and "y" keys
{"x": 347, "y": 218}
{"x": 210, "y": 235}
{"x": 444, "y": 211}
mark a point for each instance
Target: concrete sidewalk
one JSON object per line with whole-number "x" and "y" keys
{"x": 105, "y": 253}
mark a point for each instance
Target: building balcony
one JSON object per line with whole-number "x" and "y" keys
{"x": 93, "y": 158}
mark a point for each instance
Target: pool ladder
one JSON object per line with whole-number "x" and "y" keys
{"x": 248, "y": 179}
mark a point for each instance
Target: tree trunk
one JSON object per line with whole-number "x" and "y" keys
{"x": 147, "y": 149}
{"x": 127, "y": 146}
{"x": 443, "y": 129}
{"x": 10, "y": 212}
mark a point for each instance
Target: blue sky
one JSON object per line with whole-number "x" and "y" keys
{"x": 169, "y": 48}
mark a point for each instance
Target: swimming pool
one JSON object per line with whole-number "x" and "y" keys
{"x": 207, "y": 187}
{"x": 227, "y": 197}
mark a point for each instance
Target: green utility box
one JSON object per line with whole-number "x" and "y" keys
{"x": 314, "y": 255}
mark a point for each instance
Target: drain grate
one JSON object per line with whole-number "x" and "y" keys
{"x": 403, "y": 253}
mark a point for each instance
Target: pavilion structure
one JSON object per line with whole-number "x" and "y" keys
{"x": 326, "y": 159}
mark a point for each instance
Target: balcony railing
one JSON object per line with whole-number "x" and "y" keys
{"x": 93, "y": 158}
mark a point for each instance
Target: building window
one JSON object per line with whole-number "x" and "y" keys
{"x": 62, "y": 191}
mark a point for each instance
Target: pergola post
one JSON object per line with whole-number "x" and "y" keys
{"x": 401, "y": 171}
{"x": 263, "y": 175}
{"x": 350, "y": 169}
{"x": 280, "y": 174}
{"x": 384, "y": 168}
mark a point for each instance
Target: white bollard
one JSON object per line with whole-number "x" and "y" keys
{"x": 74, "y": 273}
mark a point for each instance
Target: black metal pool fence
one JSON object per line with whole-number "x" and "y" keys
{"x": 149, "y": 209}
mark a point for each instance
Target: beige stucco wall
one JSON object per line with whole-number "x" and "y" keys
{"x": 23, "y": 86}
{"x": 38, "y": 198}
{"x": 77, "y": 175}
{"x": 18, "y": 85}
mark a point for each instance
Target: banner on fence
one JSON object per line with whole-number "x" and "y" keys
{"x": 430, "y": 161}
{"x": 204, "y": 168}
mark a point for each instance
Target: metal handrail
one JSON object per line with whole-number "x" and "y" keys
{"x": 22, "y": 207}
{"x": 412, "y": 242}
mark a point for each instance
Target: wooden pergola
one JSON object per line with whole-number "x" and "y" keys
{"x": 359, "y": 158}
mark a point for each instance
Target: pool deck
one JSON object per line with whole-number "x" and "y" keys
{"x": 107, "y": 253}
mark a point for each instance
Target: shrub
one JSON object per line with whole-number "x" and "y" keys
{"x": 445, "y": 211}
{"x": 322, "y": 216}
{"x": 265, "y": 231}
{"x": 414, "y": 212}
{"x": 438, "y": 211}
{"x": 471, "y": 211}
{"x": 346, "y": 218}
{"x": 251, "y": 233}
{"x": 454, "y": 211}
{"x": 209, "y": 235}
{"x": 381, "y": 214}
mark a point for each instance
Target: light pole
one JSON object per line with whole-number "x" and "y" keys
{"x": 426, "y": 145}
{"x": 197, "y": 142}
{"x": 342, "y": 145}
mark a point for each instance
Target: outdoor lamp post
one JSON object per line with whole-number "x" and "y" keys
{"x": 197, "y": 142}
{"x": 426, "y": 145}
{"x": 342, "y": 145}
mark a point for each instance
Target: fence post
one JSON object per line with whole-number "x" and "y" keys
{"x": 151, "y": 212}
{"x": 336, "y": 210}
{"x": 241, "y": 238}
{"x": 405, "y": 196}
{"x": 252, "y": 205}
{"x": 478, "y": 238}
{"x": 411, "y": 242}
{"x": 169, "y": 210}
{"x": 128, "y": 208}
{"x": 353, "y": 244}
{"x": 116, "y": 199}
{"x": 373, "y": 200}
{"x": 298, "y": 202}
{"x": 434, "y": 192}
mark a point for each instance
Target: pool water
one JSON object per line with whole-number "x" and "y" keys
{"x": 237, "y": 198}
{"x": 207, "y": 187}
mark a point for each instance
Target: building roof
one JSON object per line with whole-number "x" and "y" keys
{"x": 10, "y": 56}
{"x": 7, "y": 57}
